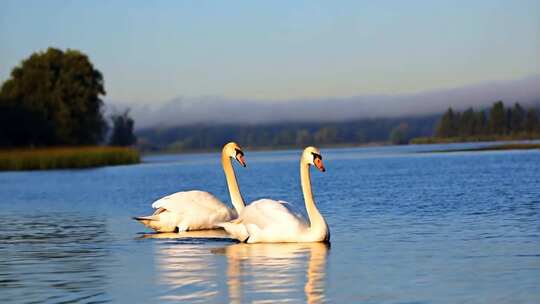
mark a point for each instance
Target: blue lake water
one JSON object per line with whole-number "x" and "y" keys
{"x": 406, "y": 227}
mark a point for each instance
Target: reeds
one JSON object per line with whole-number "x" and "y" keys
{"x": 66, "y": 157}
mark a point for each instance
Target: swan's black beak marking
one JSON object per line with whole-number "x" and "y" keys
{"x": 317, "y": 161}
{"x": 240, "y": 158}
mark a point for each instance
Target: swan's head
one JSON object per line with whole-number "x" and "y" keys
{"x": 312, "y": 156}
{"x": 233, "y": 150}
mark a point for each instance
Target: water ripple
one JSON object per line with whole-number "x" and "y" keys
{"x": 58, "y": 260}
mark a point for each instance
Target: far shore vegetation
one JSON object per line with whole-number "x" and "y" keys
{"x": 495, "y": 147}
{"x": 496, "y": 124}
{"x": 51, "y": 116}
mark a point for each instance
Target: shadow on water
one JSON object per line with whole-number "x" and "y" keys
{"x": 55, "y": 258}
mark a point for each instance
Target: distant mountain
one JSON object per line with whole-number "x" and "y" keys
{"x": 215, "y": 110}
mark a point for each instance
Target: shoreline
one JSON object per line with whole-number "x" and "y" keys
{"x": 500, "y": 142}
{"x": 473, "y": 139}
{"x": 496, "y": 147}
{"x": 265, "y": 148}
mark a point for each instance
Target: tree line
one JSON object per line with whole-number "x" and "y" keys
{"x": 515, "y": 121}
{"x": 210, "y": 137}
{"x": 53, "y": 98}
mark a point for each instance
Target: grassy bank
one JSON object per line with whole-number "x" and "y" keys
{"x": 516, "y": 146}
{"x": 66, "y": 157}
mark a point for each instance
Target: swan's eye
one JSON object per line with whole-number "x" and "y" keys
{"x": 239, "y": 152}
{"x": 315, "y": 156}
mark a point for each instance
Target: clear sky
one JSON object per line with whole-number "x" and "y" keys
{"x": 152, "y": 51}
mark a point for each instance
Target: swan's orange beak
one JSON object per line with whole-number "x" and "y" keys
{"x": 241, "y": 160}
{"x": 319, "y": 165}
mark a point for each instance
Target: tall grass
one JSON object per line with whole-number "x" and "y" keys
{"x": 66, "y": 157}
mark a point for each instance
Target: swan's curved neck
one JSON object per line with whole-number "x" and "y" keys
{"x": 232, "y": 184}
{"x": 317, "y": 222}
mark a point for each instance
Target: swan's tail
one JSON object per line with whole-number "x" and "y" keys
{"x": 150, "y": 221}
{"x": 159, "y": 221}
{"x": 236, "y": 229}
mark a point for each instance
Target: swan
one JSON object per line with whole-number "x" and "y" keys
{"x": 195, "y": 209}
{"x": 270, "y": 221}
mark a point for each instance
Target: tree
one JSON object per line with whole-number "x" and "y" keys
{"x": 497, "y": 119}
{"x": 398, "y": 135}
{"x": 326, "y": 134}
{"x": 359, "y": 136}
{"x": 517, "y": 119}
{"x": 122, "y": 131}
{"x": 480, "y": 123}
{"x": 447, "y": 126}
{"x": 467, "y": 123}
{"x": 53, "y": 98}
{"x": 531, "y": 121}
{"x": 303, "y": 138}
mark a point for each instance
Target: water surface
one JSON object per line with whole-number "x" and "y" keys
{"x": 406, "y": 227}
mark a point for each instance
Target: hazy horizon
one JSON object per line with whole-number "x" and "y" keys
{"x": 211, "y": 110}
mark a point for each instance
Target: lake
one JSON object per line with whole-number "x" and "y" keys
{"x": 406, "y": 227}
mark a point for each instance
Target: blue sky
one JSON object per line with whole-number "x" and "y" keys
{"x": 153, "y": 51}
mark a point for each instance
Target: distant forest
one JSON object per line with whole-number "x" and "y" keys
{"x": 514, "y": 122}
{"x": 494, "y": 123}
{"x": 209, "y": 137}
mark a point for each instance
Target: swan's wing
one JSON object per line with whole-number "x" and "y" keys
{"x": 266, "y": 213}
{"x": 195, "y": 209}
{"x": 189, "y": 201}
{"x": 294, "y": 210}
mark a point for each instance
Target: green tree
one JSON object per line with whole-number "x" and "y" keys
{"x": 122, "y": 131}
{"x": 327, "y": 134}
{"x": 517, "y": 119}
{"x": 447, "y": 126}
{"x": 480, "y": 123}
{"x": 399, "y": 134}
{"x": 303, "y": 138}
{"x": 284, "y": 137}
{"x": 359, "y": 136}
{"x": 531, "y": 124}
{"x": 54, "y": 99}
{"x": 497, "y": 119}
{"x": 467, "y": 123}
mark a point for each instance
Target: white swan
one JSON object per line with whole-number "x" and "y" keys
{"x": 270, "y": 221}
{"x": 198, "y": 210}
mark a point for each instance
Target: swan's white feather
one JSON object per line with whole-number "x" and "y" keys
{"x": 267, "y": 220}
{"x": 190, "y": 210}
{"x": 266, "y": 212}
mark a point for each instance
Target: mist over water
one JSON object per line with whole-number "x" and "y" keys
{"x": 220, "y": 110}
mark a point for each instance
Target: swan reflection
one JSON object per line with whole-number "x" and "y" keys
{"x": 190, "y": 270}
{"x": 196, "y": 234}
{"x": 186, "y": 269}
{"x": 270, "y": 272}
